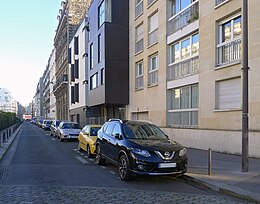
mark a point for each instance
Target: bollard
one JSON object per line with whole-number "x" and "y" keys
{"x": 1, "y": 139}
{"x": 209, "y": 162}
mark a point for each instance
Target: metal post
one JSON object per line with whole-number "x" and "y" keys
{"x": 245, "y": 88}
{"x": 209, "y": 162}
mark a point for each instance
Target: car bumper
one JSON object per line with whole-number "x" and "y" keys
{"x": 142, "y": 167}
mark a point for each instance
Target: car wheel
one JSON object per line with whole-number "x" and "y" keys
{"x": 124, "y": 172}
{"x": 89, "y": 155}
{"x": 99, "y": 159}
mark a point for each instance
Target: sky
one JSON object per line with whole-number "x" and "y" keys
{"x": 26, "y": 41}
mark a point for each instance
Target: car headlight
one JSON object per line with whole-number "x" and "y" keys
{"x": 182, "y": 152}
{"x": 141, "y": 152}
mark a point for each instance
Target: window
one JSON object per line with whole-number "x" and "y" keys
{"x": 182, "y": 13}
{"x": 102, "y": 76}
{"x": 76, "y": 92}
{"x": 101, "y": 14}
{"x": 69, "y": 56}
{"x": 228, "y": 94}
{"x": 99, "y": 48}
{"x": 229, "y": 41}
{"x": 153, "y": 70}
{"x": 76, "y": 69}
{"x": 153, "y": 29}
{"x": 184, "y": 106}
{"x": 184, "y": 57}
{"x": 116, "y": 131}
{"x": 72, "y": 94}
{"x": 72, "y": 76}
{"x": 139, "y": 78}
{"x": 220, "y": 1}
{"x": 184, "y": 49}
{"x": 91, "y": 62}
{"x": 179, "y": 5}
{"x": 94, "y": 81}
{"x": 139, "y": 35}
{"x": 76, "y": 45}
{"x": 149, "y": 2}
{"x": 139, "y": 7}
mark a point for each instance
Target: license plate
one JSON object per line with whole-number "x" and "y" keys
{"x": 166, "y": 165}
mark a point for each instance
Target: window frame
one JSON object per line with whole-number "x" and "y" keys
{"x": 138, "y": 75}
{"x": 152, "y": 70}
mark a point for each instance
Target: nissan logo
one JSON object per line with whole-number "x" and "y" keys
{"x": 167, "y": 154}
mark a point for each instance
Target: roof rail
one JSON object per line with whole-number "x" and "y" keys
{"x": 116, "y": 119}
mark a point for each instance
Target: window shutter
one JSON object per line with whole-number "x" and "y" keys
{"x": 228, "y": 94}
{"x": 153, "y": 22}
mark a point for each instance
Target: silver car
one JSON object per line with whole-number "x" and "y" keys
{"x": 54, "y": 126}
{"x": 68, "y": 130}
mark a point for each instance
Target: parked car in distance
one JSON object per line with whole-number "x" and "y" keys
{"x": 139, "y": 147}
{"x": 87, "y": 138}
{"x": 68, "y": 130}
{"x": 46, "y": 124}
{"x": 54, "y": 126}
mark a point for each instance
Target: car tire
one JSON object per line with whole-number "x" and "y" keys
{"x": 89, "y": 155}
{"x": 99, "y": 159}
{"x": 124, "y": 171}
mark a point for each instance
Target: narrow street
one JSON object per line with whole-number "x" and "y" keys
{"x": 40, "y": 169}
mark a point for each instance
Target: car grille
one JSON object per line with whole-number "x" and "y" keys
{"x": 165, "y": 155}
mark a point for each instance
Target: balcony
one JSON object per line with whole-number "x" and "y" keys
{"x": 229, "y": 52}
{"x": 183, "y": 18}
{"x": 183, "y": 69}
{"x": 62, "y": 80}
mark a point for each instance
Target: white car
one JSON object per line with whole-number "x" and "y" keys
{"x": 68, "y": 130}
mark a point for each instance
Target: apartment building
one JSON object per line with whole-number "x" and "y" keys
{"x": 70, "y": 16}
{"x": 52, "y": 66}
{"x": 108, "y": 60}
{"x": 78, "y": 74}
{"x": 197, "y": 94}
{"x": 147, "y": 66}
{"x": 46, "y": 91}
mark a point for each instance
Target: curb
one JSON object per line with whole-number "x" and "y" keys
{"x": 203, "y": 184}
{"x": 6, "y": 145}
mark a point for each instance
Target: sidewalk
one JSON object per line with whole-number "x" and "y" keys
{"x": 7, "y": 144}
{"x": 226, "y": 175}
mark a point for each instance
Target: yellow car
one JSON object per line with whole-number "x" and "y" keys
{"x": 87, "y": 138}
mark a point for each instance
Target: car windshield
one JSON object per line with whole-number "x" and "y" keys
{"x": 48, "y": 122}
{"x": 143, "y": 131}
{"x": 71, "y": 126}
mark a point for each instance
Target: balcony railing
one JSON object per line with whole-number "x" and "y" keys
{"x": 184, "y": 18}
{"x": 153, "y": 37}
{"x": 63, "y": 79}
{"x": 139, "y": 46}
{"x": 229, "y": 52}
{"x": 184, "y": 68}
{"x": 139, "y": 8}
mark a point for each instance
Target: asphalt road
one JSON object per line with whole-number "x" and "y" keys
{"x": 40, "y": 169}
